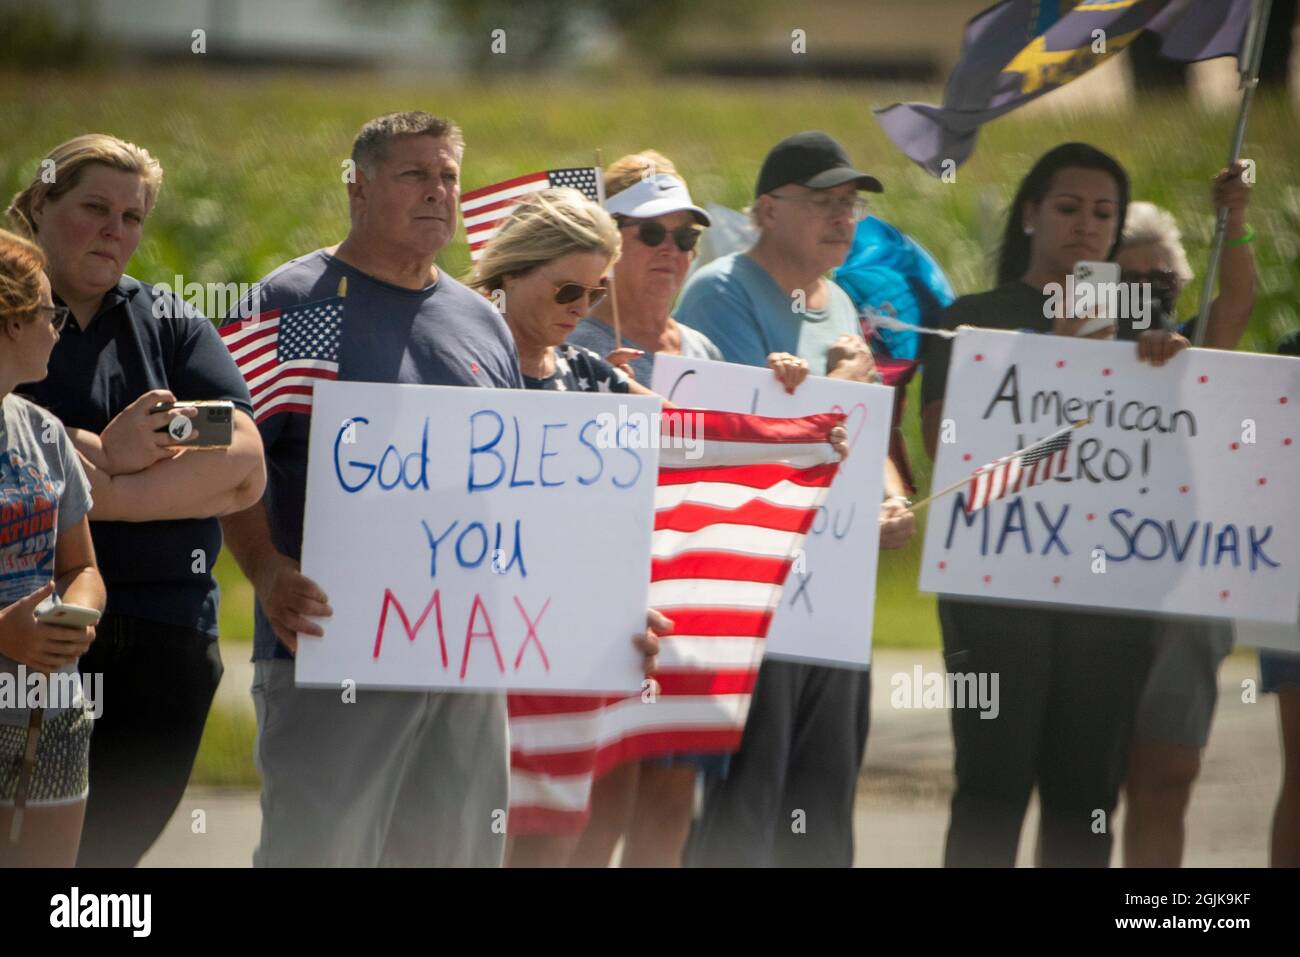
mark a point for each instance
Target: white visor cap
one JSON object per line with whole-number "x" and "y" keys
{"x": 659, "y": 195}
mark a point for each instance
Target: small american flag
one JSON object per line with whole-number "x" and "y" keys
{"x": 727, "y": 527}
{"x": 283, "y": 353}
{"x": 484, "y": 209}
{"x": 1032, "y": 465}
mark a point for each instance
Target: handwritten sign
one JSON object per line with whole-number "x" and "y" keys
{"x": 829, "y": 599}
{"x": 1178, "y": 497}
{"x": 477, "y": 538}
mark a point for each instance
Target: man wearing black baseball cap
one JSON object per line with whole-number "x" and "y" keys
{"x": 776, "y": 297}
{"x": 807, "y": 725}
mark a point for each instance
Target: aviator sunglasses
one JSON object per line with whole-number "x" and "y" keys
{"x": 567, "y": 292}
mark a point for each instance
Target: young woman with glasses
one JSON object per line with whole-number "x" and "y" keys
{"x": 45, "y": 546}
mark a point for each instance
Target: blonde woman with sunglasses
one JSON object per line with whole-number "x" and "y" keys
{"x": 545, "y": 270}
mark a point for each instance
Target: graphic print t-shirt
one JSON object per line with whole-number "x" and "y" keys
{"x": 42, "y": 492}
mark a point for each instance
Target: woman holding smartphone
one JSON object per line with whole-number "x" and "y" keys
{"x": 126, "y": 348}
{"x": 1070, "y": 680}
{"x": 45, "y": 547}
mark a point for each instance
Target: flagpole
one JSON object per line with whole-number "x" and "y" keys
{"x": 984, "y": 468}
{"x": 1252, "y": 51}
{"x": 613, "y": 293}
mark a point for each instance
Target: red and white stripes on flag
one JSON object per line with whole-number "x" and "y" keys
{"x": 1032, "y": 465}
{"x": 484, "y": 209}
{"x": 729, "y": 518}
{"x": 283, "y": 353}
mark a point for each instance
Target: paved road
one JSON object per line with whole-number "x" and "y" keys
{"x": 902, "y": 808}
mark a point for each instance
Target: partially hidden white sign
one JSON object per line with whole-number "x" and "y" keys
{"x": 477, "y": 538}
{"x": 1178, "y": 497}
{"x": 829, "y": 597}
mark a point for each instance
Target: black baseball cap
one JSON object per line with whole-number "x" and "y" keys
{"x": 811, "y": 159}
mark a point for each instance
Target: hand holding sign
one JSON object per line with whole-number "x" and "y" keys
{"x": 1169, "y": 500}
{"x": 290, "y": 600}
{"x": 474, "y": 539}
{"x": 826, "y": 610}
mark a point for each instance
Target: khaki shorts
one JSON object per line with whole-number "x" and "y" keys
{"x": 392, "y": 778}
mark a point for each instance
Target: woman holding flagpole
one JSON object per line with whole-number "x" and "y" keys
{"x": 1070, "y": 679}
{"x": 649, "y": 804}
{"x": 547, "y": 267}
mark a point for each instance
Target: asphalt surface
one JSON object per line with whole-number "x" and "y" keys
{"x": 902, "y": 809}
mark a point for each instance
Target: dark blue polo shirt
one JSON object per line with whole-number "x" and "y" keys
{"x": 443, "y": 334}
{"x": 151, "y": 569}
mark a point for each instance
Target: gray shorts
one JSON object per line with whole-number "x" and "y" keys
{"x": 394, "y": 778}
{"x": 1182, "y": 689}
{"x": 62, "y": 771}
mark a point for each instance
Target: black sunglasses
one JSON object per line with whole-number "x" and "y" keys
{"x": 652, "y": 234}
{"x": 60, "y": 317}
{"x": 567, "y": 292}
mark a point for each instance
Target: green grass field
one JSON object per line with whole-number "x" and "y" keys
{"x": 254, "y": 177}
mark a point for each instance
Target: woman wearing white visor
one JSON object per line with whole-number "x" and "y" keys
{"x": 649, "y": 804}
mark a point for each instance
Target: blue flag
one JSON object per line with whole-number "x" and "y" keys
{"x": 889, "y": 272}
{"x": 1018, "y": 50}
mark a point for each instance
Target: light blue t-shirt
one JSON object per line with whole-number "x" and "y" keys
{"x": 599, "y": 338}
{"x": 737, "y": 304}
{"x": 43, "y": 492}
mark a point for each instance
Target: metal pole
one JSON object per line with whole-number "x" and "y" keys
{"x": 1248, "y": 65}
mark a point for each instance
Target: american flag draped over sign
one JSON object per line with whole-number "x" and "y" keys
{"x": 1031, "y": 466}
{"x": 726, "y": 530}
{"x": 484, "y": 209}
{"x": 283, "y": 353}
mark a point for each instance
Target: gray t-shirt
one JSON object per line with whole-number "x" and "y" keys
{"x": 599, "y": 338}
{"x": 42, "y": 492}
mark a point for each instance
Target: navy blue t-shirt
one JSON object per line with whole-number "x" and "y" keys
{"x": 443, "y": 334}
{"x": 143, "y": 338}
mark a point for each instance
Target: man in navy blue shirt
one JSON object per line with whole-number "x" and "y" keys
{"x": 394, "y": 777}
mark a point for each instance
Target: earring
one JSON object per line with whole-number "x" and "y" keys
{"x": 1029, "y": 230}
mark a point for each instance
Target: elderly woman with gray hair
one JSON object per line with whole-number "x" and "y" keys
{"x": 1174, "y": 713}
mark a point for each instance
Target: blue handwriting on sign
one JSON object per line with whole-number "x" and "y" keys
{"x": 584, "y": 462}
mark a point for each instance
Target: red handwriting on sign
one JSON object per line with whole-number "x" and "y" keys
{"x": 478, "y": 608}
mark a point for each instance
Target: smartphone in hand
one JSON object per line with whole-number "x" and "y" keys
{"x": 1095, "y": 286}
{"x": 212, "y": 427}
{"x": 52, "y": 611}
